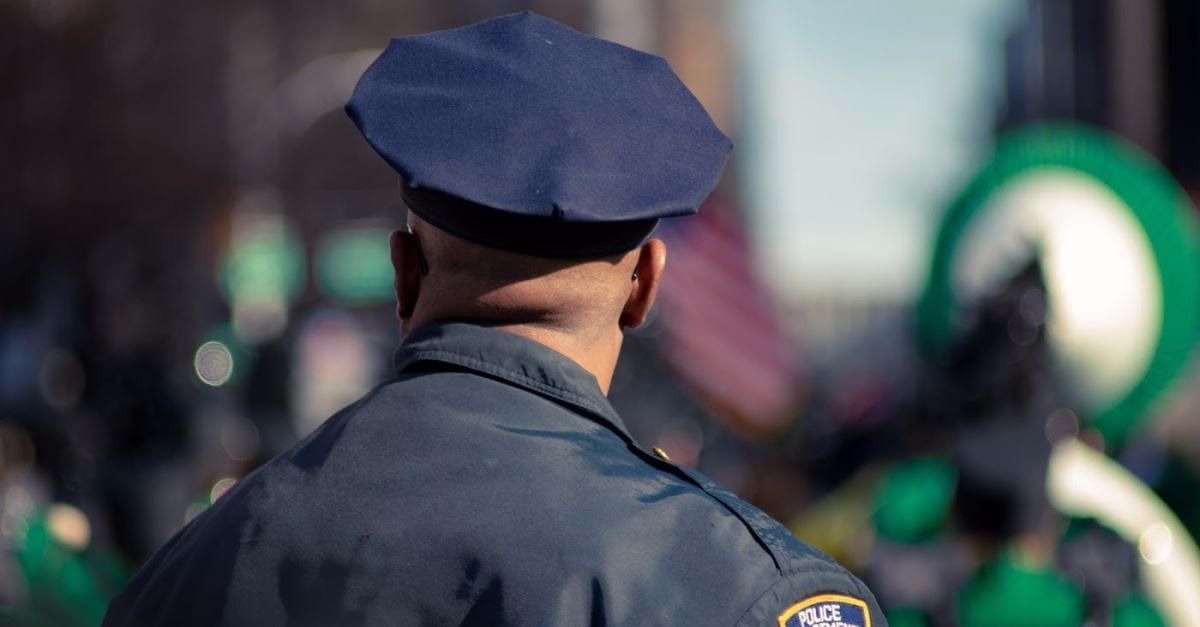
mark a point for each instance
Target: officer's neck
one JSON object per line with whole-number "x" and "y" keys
{"x": 597, "y": 353}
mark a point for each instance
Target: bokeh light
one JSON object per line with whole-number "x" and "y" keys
{"x": 68, "y": 526}
{"x": 213, "y": 363}
{"x": 1061, "y": 424}
{"x": 1155, "y": 543}
{"x": 353, "y": 265}
{"x": 240, "y": 439}
{"x": 264, "y": 268}
{"x": 220, "y": 488}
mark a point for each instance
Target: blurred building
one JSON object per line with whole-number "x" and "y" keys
{"x": 1126, "y": 65}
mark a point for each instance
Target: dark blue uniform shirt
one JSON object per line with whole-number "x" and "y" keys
{"x": 489, "y": 483}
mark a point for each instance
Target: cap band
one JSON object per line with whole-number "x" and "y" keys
{"x": 530, "y": 235}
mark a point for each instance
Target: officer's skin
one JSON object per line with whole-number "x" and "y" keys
{"x": 576, "y": 308}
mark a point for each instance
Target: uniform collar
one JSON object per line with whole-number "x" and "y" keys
{"x": 513, "y": 359}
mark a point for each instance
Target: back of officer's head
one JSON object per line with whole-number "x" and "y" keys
{"x": 441, "y": 276}
{"x": 538, "y": 161}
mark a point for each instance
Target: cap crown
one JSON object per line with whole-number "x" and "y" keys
{"x": 529, "y": 117}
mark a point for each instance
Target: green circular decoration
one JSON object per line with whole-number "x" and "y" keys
{"x": 1156, "y": 202}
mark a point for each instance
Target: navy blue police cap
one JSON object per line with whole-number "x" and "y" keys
{"x": 523, "y": 134}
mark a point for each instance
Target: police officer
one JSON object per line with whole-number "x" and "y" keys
{"x": 490, "y": 481}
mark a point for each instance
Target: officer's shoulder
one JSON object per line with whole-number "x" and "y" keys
{"x": 775, "y": 574}
{"x": 809, "y": 586}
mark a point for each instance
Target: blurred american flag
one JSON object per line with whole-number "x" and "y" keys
{"x": 722, "y": 332}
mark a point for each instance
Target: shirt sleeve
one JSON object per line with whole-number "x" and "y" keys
{"x": 816, "y": 597}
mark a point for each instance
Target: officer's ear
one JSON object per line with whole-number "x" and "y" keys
{"x": 408, "y": 264}
{"x": 652, "y": 258}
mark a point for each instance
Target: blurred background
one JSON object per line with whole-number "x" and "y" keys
{"x": 937, "y": 318}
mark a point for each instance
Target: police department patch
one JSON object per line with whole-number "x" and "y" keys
{"x": 827, "y": 610}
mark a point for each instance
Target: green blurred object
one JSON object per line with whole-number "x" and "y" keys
{"x": 265, "y": 264}
{"x": 1005, "y": 593}
{"x": 1155, "y": 201}
{"x": 906, "y": 617}
{"x": 67, "y": 587}
{"x": 354, "y": 266}
{"x": 1135, "y": 611}
{"x": 913, "y": 499}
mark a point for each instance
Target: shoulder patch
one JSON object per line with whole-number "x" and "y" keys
{"x": 827, "y": 610}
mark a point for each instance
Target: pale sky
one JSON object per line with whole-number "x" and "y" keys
{"x": 860, "y": 119}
